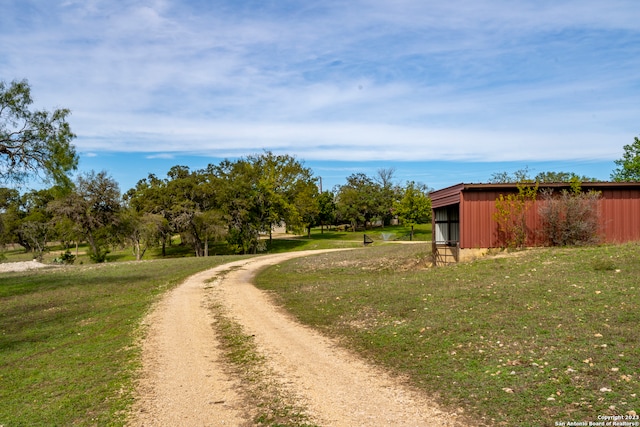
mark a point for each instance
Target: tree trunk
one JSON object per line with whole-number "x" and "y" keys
{"x": 92, "y": 244}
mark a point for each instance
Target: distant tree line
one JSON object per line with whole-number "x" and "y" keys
{"x": 235, "y": 203}
{"x": 364, "y": 201}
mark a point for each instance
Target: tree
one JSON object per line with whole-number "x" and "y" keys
{"x": 141, "y": 230}
{"x": 387, "y": 195}
{"x": 68, "y": 233}
{"x": 190, "y": 196}
{"x": 26, "y": 220}
{"x": 36, "y": 227}
{"x": 519, "y": 176}
{"x": 305, "y": 201}
{"x": 549, "y": 177}
{"x": 151, "y": 196}
{"x": 326, "y": 209}
{"x": 212, "y": 227}
{"x": 37, "y": 233}
{"x": 523, "y": 175}
{"x": 363, "y": 200}
{"x": 260, "y": 192}
{"x": 414, "y": 206}
{"x": 10, "y": 214}
{"x": 629, "y": 165}
{"x": 357, "y": 200}
{"x": 236, "y": 200}
{"x": 33, "y": 142}
{"x": 286, "y": 191}
{"x": 237, "y": 193}
{"x": 93, "y": 205}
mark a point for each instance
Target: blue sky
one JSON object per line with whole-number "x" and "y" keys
{"x": 442, "y": 91}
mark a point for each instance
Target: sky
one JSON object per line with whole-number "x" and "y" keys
{"x": 442, "y": 92}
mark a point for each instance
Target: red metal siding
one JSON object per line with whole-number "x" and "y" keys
{"x": 619, "y": 212}
{"x": 620, "y": 215}
{"x": 477, "y": 226}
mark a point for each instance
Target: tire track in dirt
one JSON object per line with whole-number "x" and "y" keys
{"x": 184, "y": 379}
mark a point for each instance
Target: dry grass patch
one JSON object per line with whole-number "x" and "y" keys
{"x": 549, "y": 335}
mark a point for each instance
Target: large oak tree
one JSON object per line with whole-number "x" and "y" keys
{"x": 94, "y": 206}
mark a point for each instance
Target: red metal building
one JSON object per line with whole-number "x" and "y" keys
{"x": 464, "y": 224}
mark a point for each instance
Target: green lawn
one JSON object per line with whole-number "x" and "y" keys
{"x": 68, "y": 338}
{"x": 537, "y": 337}
{"x": 320, "y": 239}
{"x": 68, "y": 335}
{"x": 530, "y": 339}
{"x": 421, "y": 232}
{"x": 331, "y": 238}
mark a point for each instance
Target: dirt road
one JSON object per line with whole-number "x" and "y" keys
{"x": 185, "y": 383}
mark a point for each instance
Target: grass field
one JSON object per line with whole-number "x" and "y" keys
{"x": 538, "y": 337}
{"x": 332, "y": 238}
{"x": 68, "y": 338}
{"x": 68, "y": 347}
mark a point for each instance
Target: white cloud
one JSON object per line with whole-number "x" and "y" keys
{"x": 368, "y": 79}
{"x": 335, "y": 140}
{"x": 161, "y": 156}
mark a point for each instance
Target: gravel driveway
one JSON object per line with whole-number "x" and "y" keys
{"x": 184, "y": 381}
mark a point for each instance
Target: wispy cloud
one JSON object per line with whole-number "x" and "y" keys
{"x": 366, "y": 79}
{"x": 161, "y": 156}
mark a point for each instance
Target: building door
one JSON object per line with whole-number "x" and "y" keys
{"x": 447, "y": 225}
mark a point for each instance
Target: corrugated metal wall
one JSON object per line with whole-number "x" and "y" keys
{"x": 620, "y": 218}
{"x": 620, "y": 214}
{"x": 478, "y": 228}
